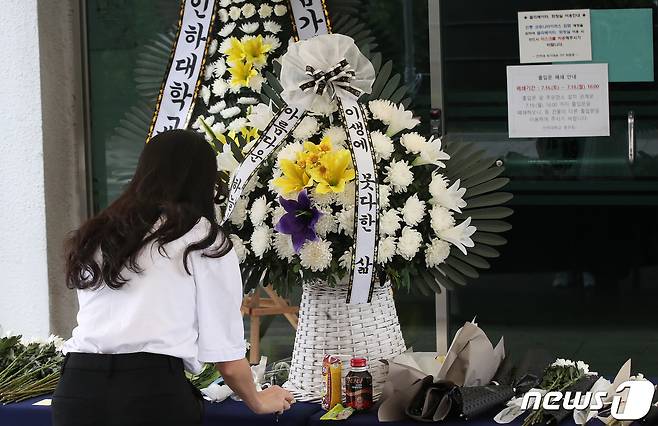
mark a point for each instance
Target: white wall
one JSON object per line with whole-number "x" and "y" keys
{"x": 23, "y": 246}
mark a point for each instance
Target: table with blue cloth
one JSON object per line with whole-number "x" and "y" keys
{"x": 232, "y": 412}
{"x": 228, "y": 412}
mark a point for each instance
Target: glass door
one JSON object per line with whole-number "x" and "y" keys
{"x": 580, "y": 272}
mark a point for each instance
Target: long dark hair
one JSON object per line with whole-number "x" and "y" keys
{"x": 175, "y": 180}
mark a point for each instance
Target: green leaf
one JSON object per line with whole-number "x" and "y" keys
{"x": 462, "y": 267}
{"x": 443, "y": 280}
{"x": 391, "y": 87}
{"x": 484, "y": 251}
{"x": 491, "y": 225}
{"x": 487, "y": 200}
{"x": 489, "y": 239}
{"x": 381, "y": 80}
{"x": 485, "y": 213}
{"x": 483, "y": 176}
{"x": 472, "y": 259}
{"x": 483, "y": 188}
{"x": 397, "y": 96}
{"x": 453, "y": 274}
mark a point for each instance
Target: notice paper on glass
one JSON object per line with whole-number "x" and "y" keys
{"x": 555, "y": 36}
{"x": 558, "y": 100}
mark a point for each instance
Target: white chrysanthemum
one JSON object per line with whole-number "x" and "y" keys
{"x": 239, "y": 246}
{"x": 237, "y": 124}
{"x": 219, "y": 87}
{"x": 436, "y": 253}
{"x": 346, "y": 221}
{"x": 413, "y": 210}
{"x": 277, "y": 214}
{"x": 306, "y": 128}
{"x": 409, "y": 243}
{"x": 224, "y": 3}
{"x": 431, "y": 153}
{"x": 256, "y": 83}
{"x": 198, "y": 123}
{"x": 280, "y": 10}
{"x": 382, "y": 144}
{"x": 384, "y": 195}
{"x": 336, "y": 134}
{"x": 399, "y": 175}
{"x": 413, "y": 142}
{"x": 448, "y": 197}
{"x": 234, "y": 13}
{"x": 247, "y": 100}
{"x": 283, "y": 246}
{"x": 460, "y": 235}
{"x": 260, "y": 116}
{"x": 260, "y": 208}
{"x": 272, "y": 41}
{"x": 223, "y": 15}
{"x": 230, "y": 112}
{"x": 212, "y": 48}
{"x": 250, "y": 27}
{"x": 227, "y": 29}
{"x": 205, "y": 94}
{"x": 219, "y": 68}
{"x": 248, "y": 10}
{"x": 345, "y": 261}
{"x": 239, "y": 213}
{"x": 271, "y": 27}
{"x": 386, "y": 250}
{"x": 389, "y": 222}
{"x": 326, "y": 223}
{"x": 315, "y": 255}
{"x": 218, "y": 129}
{"x": 224, "y": 46}
{"x": 381, "y": 110}
{"x": 265, "y": 10}
{"x": 238, "y": 1}
{"x": 322, "y": 199}
{"x": 347, "y": 198}
{"x": 261, "y": 240}
{"x": 226, "y": 162}
{"x": 401, "y": 119}
{"x": 216, "y": 108}
{"x": 289, "y": 152}
{"x": 441, "y": 218}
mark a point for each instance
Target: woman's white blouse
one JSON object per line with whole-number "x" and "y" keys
{"x": 164, "y": 310}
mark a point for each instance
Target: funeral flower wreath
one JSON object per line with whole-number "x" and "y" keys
{"x": 296, "y": 214}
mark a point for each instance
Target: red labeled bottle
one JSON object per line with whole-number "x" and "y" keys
{"x": 358, "y": 385}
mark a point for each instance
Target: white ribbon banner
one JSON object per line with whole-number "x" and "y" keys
{"x": 179, "y": 89}
{"x": 276, "y": 132}
{"x": 310, "y": 18}
{"x": 366, "y": 214}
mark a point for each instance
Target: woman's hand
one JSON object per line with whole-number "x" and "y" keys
{"x": 273, "y": 400}
{"x": 237, "y": 375}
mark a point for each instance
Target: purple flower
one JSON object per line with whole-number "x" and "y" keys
{"x": 299, "y": 220}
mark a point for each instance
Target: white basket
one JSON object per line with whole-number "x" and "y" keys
{"x": 328, "y": 325}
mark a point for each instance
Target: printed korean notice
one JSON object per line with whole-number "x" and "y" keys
{"x": 558, "y": 100}
{"x": 555, "y": 36}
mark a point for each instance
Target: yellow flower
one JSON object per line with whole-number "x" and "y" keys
{"x": 254, "y": 50}
{"x": 333, "y": 171}
{"x": 294, "y": 178}
{"x": 241, "y": 73}
{"x": 312, "y": 154}
{"x": 235, "y": 53}
{"x": 249, "y": 133}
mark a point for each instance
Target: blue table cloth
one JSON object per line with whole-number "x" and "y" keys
{"x": 228, "y": 412}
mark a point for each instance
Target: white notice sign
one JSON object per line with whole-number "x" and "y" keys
{"x": 557, "y": 100}
{"x": 555, "y": 36}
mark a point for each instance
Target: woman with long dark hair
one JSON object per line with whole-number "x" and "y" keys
{"x": 160, "y": 291}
